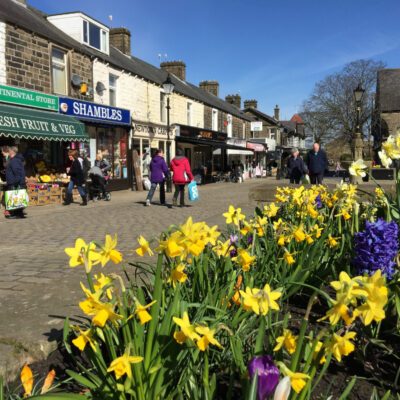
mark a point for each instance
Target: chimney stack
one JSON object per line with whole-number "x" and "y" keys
{"x": 210, "y": 87}
{"x": 235, "y": 100}
{"x": 120, "y": 38}
{"x": 250, "y": 104}
{"x": 178, "y": 68}
{"x": 277, "y": 112}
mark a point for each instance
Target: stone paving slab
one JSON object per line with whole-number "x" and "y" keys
{"x": 38, "y": 289}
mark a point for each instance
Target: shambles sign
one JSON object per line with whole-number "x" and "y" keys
{"x": 29, "y": 98}
{"x": 86, "y": 110}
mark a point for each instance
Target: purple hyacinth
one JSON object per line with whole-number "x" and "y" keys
{"x": 268, "y": 375}
{"x": 318, "y": 201}
{"x": 233, "y": 253}
{"x": 250, "y": 239}
{"x": 376, "y": 248}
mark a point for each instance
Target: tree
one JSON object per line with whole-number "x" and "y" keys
{"x": 330, "y": 111}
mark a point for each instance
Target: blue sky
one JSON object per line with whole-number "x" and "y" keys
{"x": 270, "y": 50}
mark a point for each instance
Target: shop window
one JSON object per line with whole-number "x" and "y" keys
{"x": 214, "y": 122}
{"x": 59, "y": 70}
{"x": 163, "y": 107}
{"x": 94, "y": 36}
{"x": 112, "y": 87}
{"x": 189, "y": 113}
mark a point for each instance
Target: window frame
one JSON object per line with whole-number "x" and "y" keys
{"x": 189, "y": 113}
{"x": 103, "y": 36}
{"x": 112, "y": 88}
{"x": 65, "y": 65}
{"x": 163, "y": 106}
{"x": 214, "y": 119}
{"x": 229, "y": 127}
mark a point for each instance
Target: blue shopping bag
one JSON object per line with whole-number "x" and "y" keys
{"x": 193, "y": 191}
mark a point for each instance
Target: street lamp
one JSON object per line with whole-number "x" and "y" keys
{"x": 358, "y": 145}
{"x": 168, "y": 87}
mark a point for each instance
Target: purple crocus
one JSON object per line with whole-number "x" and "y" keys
{"x": 233, "y": 253}
{"x": 268, "y": 375}
{"x": 376, "y": 248}
{"x": 250, "y": 239}
{"x": 233, "y": 239}
{"x": 318, "y": 201}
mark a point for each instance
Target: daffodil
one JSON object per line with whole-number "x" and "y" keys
{"x": 234, "y": 215}
{"x": 299, "y": 235}
{"x": 342, "y": 345}
{"x": 332, "y": 242}
{"x": 83, "y": 254}
{"x": 142, "y": 313}
{"x": 357, "y": 169}
{"x": 207, "y": 338}
{"x": 297, "y": 379}
{"x": 260, "y": 301}
{"x": 178, "y": 275}
{"x": 244, "y": 259}
{"x": 287, "y": 340}
{"x": 317, "y": 231}
{"x": 188, "y": 331}
{"x": 101, "y": 312}
{"x": 108, "y": 251}
{"x": 144, "y": 247}
{"x": 84, "y": 338}
{"x": 122, "y": 365}
{"x": 172, "y": 246}
{"x": 27, "y": 380}
{"x": 317, "y": 349}
{"x": 281, "y": 240}
{"x": 101, "y": 282}
{"x": 385, "y": 159}
{"x": 271, "y": 210}
{"x": 288, "y": 257}
{"x": 211, "y": 235}
{"x": 222, "y": 249}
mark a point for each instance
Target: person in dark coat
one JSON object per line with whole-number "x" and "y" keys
{"x": 296, "y": 167}
{"x": 15, "y": 177}
{"x": 103, "y": 164}
{"x": 77, "y": 179}
{"x": 159, "y": 172}
{"x": 317, "y": 163}
{"x": 182, "y": 175}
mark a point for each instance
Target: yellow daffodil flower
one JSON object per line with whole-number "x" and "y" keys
{"x": 385, "y": 159}
{"x": 309, "y": 239}
{"x": 144, "y": 247}
{"x": 101, "y": 282}
{"x": 281, "y": 240}
{"x": 287, "y": 340}
{"x": 187, "y": 331}
{"x": 332, "y": 242}
{"x": 122, "y": 365}
{"x": 341, "y": 345}
{"x": 101, "y": 312}
{"x": 317, "y": 231}
{"x": 234, "y": 216}
{"x": 84, "y": 338}
{"x": 288, "y": 257}
{"x": 312, "y": 212}
{"x": 317, "y": 349}
{"x": 172, "y": 246}
{"x": 271, "y": 210}
{"x": 83, "y": 254}
{"x": 244, "y": 259}
{"x": 109, "y": 252}
{"x": 297, "y": 379}
{"x": 299, "y": 235}
{"x": 260, "y": 301}
{"x": 142, "y": 313}
{"x": 277, "y": 224}
{"x": 178, "y": 275}
{"x": 207, "y": 338}
{"x": 211, "y": 235}
{"x": 222, "y": 249}
{"x": 358, "y": 168}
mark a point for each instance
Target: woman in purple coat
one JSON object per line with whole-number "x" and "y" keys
{"x": 158, "y": 173}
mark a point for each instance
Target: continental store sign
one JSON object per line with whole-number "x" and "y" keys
{"x": 27, "y": 123}
{"x": 28, "y": 98}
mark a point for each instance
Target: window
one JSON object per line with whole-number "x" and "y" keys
{"x": 163, "y": 108}
{"x": 59, "y": 71}
{"x": 94, "y": 36}
{"x": 214, "y": 120}
{"x": 244, "y": 131}
{"x": 229, "y": 127}
{"x": 189, "y": 113}
{"x": 112, "y": 87}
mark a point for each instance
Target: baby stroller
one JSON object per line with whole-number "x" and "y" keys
{"x": 97, "y": 188}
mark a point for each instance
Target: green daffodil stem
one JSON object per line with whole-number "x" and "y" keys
{"x": 303, "y": 328}
{"x": 90, "y": 281}
{"x": 260, "y": 336}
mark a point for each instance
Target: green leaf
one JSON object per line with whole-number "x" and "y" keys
{"x": 58, "y": 396}
{"x": 81, "y": 379}
{"x": 348, "y": 389}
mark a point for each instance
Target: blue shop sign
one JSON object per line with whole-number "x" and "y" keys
{"x": 84, "y": 110}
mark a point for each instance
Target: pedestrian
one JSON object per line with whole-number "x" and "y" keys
{"x": 159, "y": 172}
{"x": 317, "y": 163}
{"x": 3, "y": 165}
{"x": 77, "y": 179}
{"x": 102, "y": 163}
{"x": 296, "y": 167}
{"x": 182, "y": 175}
{"x": 15, "y": 177}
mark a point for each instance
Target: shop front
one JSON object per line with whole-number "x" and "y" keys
{"x": 259, "y": 162}
{"x": 108, "y": 129}
{"x": 206, "y": 151}
{"x": 146, "y": 139}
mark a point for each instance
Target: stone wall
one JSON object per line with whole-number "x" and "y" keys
{"x": 28, "y": 63}
{"x": 3, "y": 77}
{"x": 390, "y": 123}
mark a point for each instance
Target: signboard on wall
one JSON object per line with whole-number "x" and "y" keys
{"x": 256, "y": 126}
{"x": 192, "y": 132}
{"x": 28, "y": 98}
{"x": 86, "y": 110}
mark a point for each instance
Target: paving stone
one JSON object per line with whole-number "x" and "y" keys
{"x": 8, "y": 285}
{"x": 35, "y": 280}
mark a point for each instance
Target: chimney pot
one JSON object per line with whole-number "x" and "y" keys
{"x": 178, "y": 68}
{"x": 250, "y": 104}
{"x": 234, "y": 99}
{"x": 277, "y": 113}
{"x": 210, "y": 87}
{"x": 120, "y": 38}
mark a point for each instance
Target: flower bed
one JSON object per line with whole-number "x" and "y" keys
{"x": 262, "y": 310}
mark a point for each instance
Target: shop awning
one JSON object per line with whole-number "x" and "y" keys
{"x": 202, "y": 142}
{"x": 234, "y": 152}
{"x": 25, "y": 123}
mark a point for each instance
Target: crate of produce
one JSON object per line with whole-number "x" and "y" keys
{"x": 43, "y": 200}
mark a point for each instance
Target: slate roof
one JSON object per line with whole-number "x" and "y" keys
{"x": 261, "y": 115}
{"x": 34, "y": 20}
{"x": 388, "y": 90}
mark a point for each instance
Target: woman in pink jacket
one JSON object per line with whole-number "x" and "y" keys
{"x": 182, "y": 175}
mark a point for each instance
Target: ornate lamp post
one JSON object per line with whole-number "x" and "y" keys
{"x": 168, "y": 87}
{"x": 357, "y": 145}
